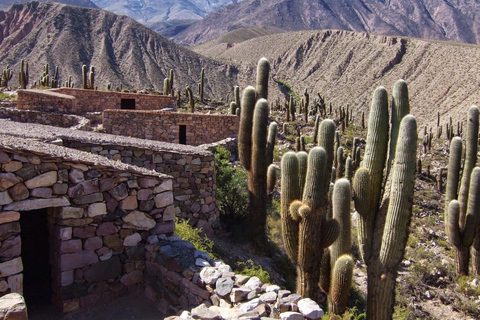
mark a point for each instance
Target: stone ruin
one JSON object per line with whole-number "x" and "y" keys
{"x": 86, "y": 217}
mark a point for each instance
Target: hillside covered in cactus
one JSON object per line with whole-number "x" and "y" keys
{"x": 124, "y": 52}
{"x": 345, "y": 67}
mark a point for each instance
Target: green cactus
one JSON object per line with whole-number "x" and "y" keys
{"x": 23, "y": 75}
{"x": 236, "y": 93}
{"x": 291, "y": 107}
{"x": 315, "y": 131}
{"x": 263, "y": 72}
{"x": 7, "y": 75}
{"x": 340, "y": 165}
{"x": 461, "y": 226}
{"x": 306, "y": 102}
{"x": 233, "y": 108}
{"x": 191, "y": 100}
{"x": 170, "y": 82}
{"x": 85, "y": 77}
{"x": 166, "y": 87}
{"x": 349, "y": 168}
{"x": 384, "y": 204}
{"x": 91, "y": 81}
{"x": 201, "y": 85}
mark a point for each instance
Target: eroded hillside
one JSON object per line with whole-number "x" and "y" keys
{"x": 346, "y": 67}
{"x": 122, "y": 50}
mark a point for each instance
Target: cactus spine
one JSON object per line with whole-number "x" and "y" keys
{"x": 384, "y": 213}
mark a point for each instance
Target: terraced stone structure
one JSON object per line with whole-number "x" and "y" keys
{"x": 79, "y": 101}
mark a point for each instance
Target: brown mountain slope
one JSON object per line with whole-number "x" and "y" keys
{"x": 456, "y": 20}
{"x": 4, "y": 4}
{"x": 346, "y": 67}
{"x": 122, "y": 50}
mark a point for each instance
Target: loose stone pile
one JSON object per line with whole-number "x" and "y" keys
{"x": 234, "y": 296}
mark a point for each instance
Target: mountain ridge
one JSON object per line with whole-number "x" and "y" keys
{"x": 431, "y": 19}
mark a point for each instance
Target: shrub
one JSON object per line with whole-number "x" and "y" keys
{"x": 188, "y": 233}
{"x": 248, "y": 268}
{"x": 232, "y": 192}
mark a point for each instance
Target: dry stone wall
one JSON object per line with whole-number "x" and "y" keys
{"x": 192, "y": 168}
{"x": 47, "y": 118}
{"x": 79, "y": 101}
{"x": 166, "y": 126}
{"x": 98, "y": 229}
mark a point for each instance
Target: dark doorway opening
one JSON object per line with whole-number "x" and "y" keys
{"x": 37, "y": 272}
{"x": 182, "y": 139}
{"x": 127, "y": 104}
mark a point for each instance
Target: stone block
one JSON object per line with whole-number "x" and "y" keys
{"x": 113, "y": 241}
{"x": 75, "y": 222}
{"x": 19, "y": 192}
{"x": 60, "y": 188}
{"x": 145, "y": 194}
{"x": 119, "y": 192}
{"x": 34, "y": 204}
{"x": 15, "y": 283}
{"x": 13, "y": 307}
{"x": 8, "y": 180}
{"x": 93, "y": 243}
{"x": 70, "y": 306}
{"x": 41, "y": 193}
{"x": 67, "y": 278}
{"x": 11, "y": 267}
{"x": 46, "y": 179}
{"x": 9, "y": 229}
{"x": 139, "y": 220}
{"x": 166, "y": 185}
{"x": 11, "y": 248}
{"x": 169, "y": 214}
{"x": 136, "y": 276}
{"x": 76, "y": 176}
{"x": 71, "y": 246}
{"x": 165, "y": 227}
{"x": 63, "y": 233}
{"x": 91, "y": 198}
{"x": 81, "y": 259}
{"x": 129, "y": 203}
{"x": 132, "y": 240}
{"x": 70, "y": 213}
{"x": 9, "y": 216}
{"x": 106, "y": 228}
{"x": 97, "y": 209}
{"x": 86, "y": 232}
{"x": 164, "y": 199}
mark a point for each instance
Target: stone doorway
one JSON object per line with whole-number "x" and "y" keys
{"x": 182, "y": 137}
{"x": 37, "y": 271}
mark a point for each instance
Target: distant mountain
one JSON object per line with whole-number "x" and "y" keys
{"x": 4, "y": 4}
{"x": 455, "y": 20}
{"x": 165, "y": 16}
{"x": 122, "y": 50}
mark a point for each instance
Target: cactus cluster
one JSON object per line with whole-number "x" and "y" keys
{"x": 384, "y": 198}
{"x": 307, "y": 227}
{"x": 462, "y": 197}
{"x": 88, "y": 78}
{"x": 255, "y": 149}
{"x": 7, "y": 75}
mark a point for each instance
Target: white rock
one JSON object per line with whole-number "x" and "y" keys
{"x": 250, "y": 305}
{"x": 186, "y": 315}
{"x": 139, "y": 220}
{"x": 97, "y": 209}
{"x": 238, "y": 294}
{"x": 199, "y": 262}
{"x": 253, "y": 283}
{"x": 291, "y": 316}
{"x": 210, "y": 275}
{"x": 310, "y": 309}
{"x": 272, "y": 288}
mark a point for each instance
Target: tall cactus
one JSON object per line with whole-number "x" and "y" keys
{"x": 306, "y": 229}
{"x": 461, "y": 226}
{"x": 255, "y": 149}
{"x": 23, "y": 75}
{"x": 170, "y": 82}
{"x": 306, "y": 102}
{"x": 201, "y": 85}
{"x": 384, "y": 204}
{"x": 236, "y": 93}
{"x": 84, "y": 77}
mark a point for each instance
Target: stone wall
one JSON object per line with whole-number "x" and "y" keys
{"x": 79, "y": 101}
{"x": 97, "y": 220}
{"x": 165, "y": 126}
{"x": 48, "y": 118}
{"x": 192, "y": 168}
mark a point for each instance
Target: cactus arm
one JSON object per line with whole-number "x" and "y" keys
{"x": 341, "y": 200}
{"x": 325, "y": 270}
{"x": 259, "y": 140}
{"x": 263, "y": 70}
{"x": 302, "y": 169}
{"x": 272, "y": 133}
{"x": 377, "y": 142}
{"x": 315, "y": 188}
{"x": 271, "y": 178}
{"x": 470, "y": 159}
{"x": 472, "y": 217}
{"x": 453, "y": 230}
{"x": 245, "y": 128}
{"x": 401, "y": 197}
{"x": 341, "y": 281}
{"x": 289, "y": 193}
{"x": 453, "y": 176}
{"x": 326, "y": 139}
